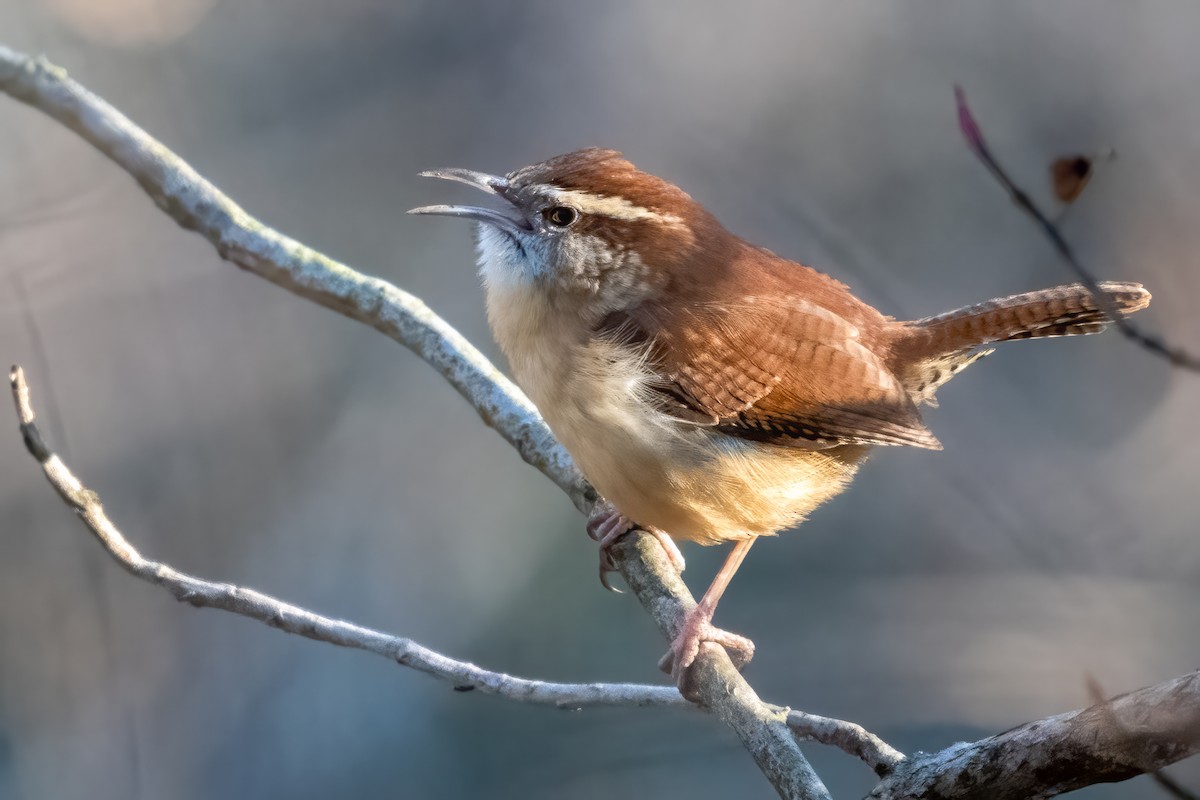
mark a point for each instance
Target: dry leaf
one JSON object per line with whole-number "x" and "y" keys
{"x": 1069, "y": 175}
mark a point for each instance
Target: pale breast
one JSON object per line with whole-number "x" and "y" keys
{"x": 690, "y": 481}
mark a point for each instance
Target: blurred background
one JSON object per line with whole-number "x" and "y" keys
{"x": 245, "y": 435}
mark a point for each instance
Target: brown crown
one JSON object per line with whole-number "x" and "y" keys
{"x": 608, "y": 173}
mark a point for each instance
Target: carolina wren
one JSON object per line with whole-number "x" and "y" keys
{"x": 710, "y": 390}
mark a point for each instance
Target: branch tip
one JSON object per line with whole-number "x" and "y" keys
{"x": 966, "y": 121}
{"x": 26, "y": 418}
{"x": 1152, "y": 343}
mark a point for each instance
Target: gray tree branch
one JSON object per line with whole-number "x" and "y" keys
{"x": 197, "y": 205}
{"x": 1126, "y": 736}
{"x": 201, "y": 593}
{"x": 302, "y": 622}
{"x": 848, "y": 737}
{"x": 1070, "y": 750}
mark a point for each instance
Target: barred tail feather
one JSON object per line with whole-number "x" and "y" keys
{"x": 1061, "y": 311}
{"x": 932, "y": 350}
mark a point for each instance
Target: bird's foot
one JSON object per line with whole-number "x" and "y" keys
{"x": 697, "y": 628}
{"x": 606, "y": 525}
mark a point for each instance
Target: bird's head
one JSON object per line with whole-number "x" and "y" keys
{"x": 587, "y": 224}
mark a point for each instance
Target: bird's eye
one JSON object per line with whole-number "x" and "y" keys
{"x": 560, "y": 216}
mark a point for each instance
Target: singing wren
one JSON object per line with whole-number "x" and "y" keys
{"x": 709, "y": 389}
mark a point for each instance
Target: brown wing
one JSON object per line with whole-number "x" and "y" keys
{"x": 779, "y": 370}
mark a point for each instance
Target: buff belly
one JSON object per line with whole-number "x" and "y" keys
{"x": 690, "y": 481}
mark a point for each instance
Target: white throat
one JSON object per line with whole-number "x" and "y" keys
{"x": 507, "y": 264}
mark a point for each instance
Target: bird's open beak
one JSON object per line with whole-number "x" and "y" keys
{"x": 514, "y": 224}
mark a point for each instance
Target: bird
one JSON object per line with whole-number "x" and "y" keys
{"x": 710, "y": 390}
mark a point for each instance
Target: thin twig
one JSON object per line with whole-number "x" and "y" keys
{"x": 848, "y": 737}
{"x": 978, "y": 145}
{"x": 302, "y": 622}
{"x": 197, "y": 205}
{"x": 768, "y": 732}
{"x": 462, "y": 675}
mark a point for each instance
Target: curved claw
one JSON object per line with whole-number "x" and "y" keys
{"x": 606, "y": 525}
{"x": 604, "y": 570}
{"x": 607, "y": 565}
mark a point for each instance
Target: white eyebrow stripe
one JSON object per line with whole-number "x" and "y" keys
{"x": 607, "y": 206}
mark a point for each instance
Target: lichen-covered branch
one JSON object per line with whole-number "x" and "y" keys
{"x": 464, "y": 676}
{"x": 1112, "y": 741}
{"x": 769, "y": 731}
{"x": 197, "y": 205}
{"x": 1157, "y": 726}
{"x": 302, "y": 622}
{"x": 848, "y": 737}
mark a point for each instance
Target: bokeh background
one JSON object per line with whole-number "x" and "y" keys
{"x": 242, "y": 434}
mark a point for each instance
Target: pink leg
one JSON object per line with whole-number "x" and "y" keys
{"x": 606, "y": 525}
{"x": 697, "y": 626}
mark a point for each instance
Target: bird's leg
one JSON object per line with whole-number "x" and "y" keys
{"x": 606, "y": 525}
{"x": 697, "y": 626}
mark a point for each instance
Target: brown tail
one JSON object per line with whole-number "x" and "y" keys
{"x": 931, "y": 350}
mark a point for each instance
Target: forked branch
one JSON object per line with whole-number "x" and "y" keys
{"x": 1071, "y": 750}
{"x": 302, "y": 622}
{"x": 197, "y": 205}
{"x": 201, "y": 593}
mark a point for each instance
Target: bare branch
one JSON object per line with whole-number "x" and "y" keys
{"x": 978, "y": 145}
{"x": 1067, "y": 751}
{"x": 463, "y": 675}
{"x": 197, "y": 205}
{"x": 849, "y": 737}
{"x": 293, "y": 619}
{"x": 1159, "y": 725}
